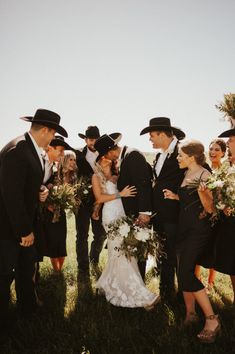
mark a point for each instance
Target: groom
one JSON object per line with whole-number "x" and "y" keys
{"x": 133, "y": 171}
{"x": 167, "y": 175}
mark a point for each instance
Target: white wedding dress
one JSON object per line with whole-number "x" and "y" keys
{"x": 121, "y": 282}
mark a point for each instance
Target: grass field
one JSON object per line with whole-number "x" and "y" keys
{"x": 76, "y": 320}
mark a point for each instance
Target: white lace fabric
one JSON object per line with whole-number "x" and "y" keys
{"x": 121, "y": 281}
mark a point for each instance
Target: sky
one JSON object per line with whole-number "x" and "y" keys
{"x": 117, "y": 64}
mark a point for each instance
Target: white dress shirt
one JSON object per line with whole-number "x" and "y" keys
{"x": 164, "y": 154}
{"x": 39, "y": 150}
{"x": 91, "y": 158}
{"x": 48, "y": 169}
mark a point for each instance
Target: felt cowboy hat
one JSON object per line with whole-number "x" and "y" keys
{"x": 163, "y": 124}
{"x": 92, "y": 132}
{"x": 106, "y": 143}
{"x": 227, "y": 133}
{"x": 48, "y": 119}
{"x": 59, "y": 141}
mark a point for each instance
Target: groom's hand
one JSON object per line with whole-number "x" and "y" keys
{"x": 27, "y": 240}
{"x": 143, "y": 219}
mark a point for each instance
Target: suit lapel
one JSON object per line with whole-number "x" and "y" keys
{"x": 168, "y": 160}
{"x": 33, "y": 150}
{"x": 123, "y": 156}
{"x": 155, "y": 163}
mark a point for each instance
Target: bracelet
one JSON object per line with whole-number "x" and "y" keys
{"x": 117, "y": 195}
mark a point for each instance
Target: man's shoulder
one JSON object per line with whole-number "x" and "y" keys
{"x": 81, "y": 152}
{"x": 15, "y": 144}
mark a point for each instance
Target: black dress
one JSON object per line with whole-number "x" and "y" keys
{"x": 193, "y": 239}
{"x": 225, "y": 246}
{"x": 55, "y": 236}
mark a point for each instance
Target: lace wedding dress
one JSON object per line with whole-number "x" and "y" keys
{"x": 121, "y": 281}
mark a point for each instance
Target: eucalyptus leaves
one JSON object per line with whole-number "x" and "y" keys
{"x": 227, "y": 107}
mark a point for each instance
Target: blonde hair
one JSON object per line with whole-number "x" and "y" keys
{"x": 63, "y": 171}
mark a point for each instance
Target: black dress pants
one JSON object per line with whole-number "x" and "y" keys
{"x": 168, "y": 234}
{"x": 83, "y": 221}
{"x": 17, "y": 262}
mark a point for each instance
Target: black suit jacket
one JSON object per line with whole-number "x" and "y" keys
{"x": 134, "y": 171}
{"x": 85, "y": 170}
{"x": 170, "y": 177}
{"x": 21, "y": 176}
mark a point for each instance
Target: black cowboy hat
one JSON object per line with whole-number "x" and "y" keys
{"x": 227, "y": 133}
{"x": 92, "y": 132}
{"x": 106, "y": 142}
{"x": 59, "y": 141}
{"x": 48, "y": 119}
{"x": 163, "y": 124}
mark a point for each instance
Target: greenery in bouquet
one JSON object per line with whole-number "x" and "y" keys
{"x": 222, "y": 185}
{"x": 136, "y": 241}
{"x": 228, "y": 107}
{"x": 62, "y": 197}
{"x": 83, "y": 189}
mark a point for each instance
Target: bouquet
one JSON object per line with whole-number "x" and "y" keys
{"x": 222, "y": 185}
{"x": 136, "y": 241}
{"x": 228, "y": 108}
{"x": 83, "y": 189}
{"x": 62, "y": 197}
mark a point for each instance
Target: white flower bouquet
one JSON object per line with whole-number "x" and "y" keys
{"x": 136, "y": 241}
{"x": 222, "y": 185}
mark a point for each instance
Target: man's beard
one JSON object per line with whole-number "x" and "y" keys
{"x": 91, "y": 148}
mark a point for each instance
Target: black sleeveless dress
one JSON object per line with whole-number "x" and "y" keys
{"x": 225, "y": 246}
{"x": 193, "y": 240}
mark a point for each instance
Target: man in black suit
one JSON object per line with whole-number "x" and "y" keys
{"x": 86, "y": 164}
{"x": 133, "y": 171}
{"x": 167, "y": 175}
{"x": 21, "y": 176}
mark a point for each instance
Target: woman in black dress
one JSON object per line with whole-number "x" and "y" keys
{"x": 217, "y": 150}
{"x": 225, "y": 244}
{"x": 56, "y": 232}
{"x": 194, "y": 236}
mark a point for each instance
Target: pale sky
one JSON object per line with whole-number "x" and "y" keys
{"x": 116, "y": 64}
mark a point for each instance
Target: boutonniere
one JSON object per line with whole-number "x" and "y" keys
{"x": 169, "y": 154}
{"x": 54, "y": 168}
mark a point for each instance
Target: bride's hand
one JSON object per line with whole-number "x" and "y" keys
{"x": 128, "y": 191}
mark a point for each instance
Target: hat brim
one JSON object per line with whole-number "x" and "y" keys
{"x": 176, "y": 131}
{"x": 227, "y": 133}
{"x": 82, "y": 136}
{"x": 58, "y": 142}
{"x": 58, "y": 128}
{"x": 116, "y": 137}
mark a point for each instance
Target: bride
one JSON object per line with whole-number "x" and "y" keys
{"x": 120, "y": 282}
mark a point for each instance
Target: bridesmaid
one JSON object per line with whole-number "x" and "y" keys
{"x": 225, "y": 245}
{"x": 194, "y": 235}
{"x": 217, "y": 150}
{"x": 56, "y": 233}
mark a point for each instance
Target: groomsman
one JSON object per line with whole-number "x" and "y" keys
{"x": 21, "y": 175}
{"x": 167, "y": 175}
{"x": 133, "y": 171}
{"x": 86, "y": 164}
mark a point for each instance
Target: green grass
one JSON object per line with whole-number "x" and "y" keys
{"x": 76, "y": 320}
